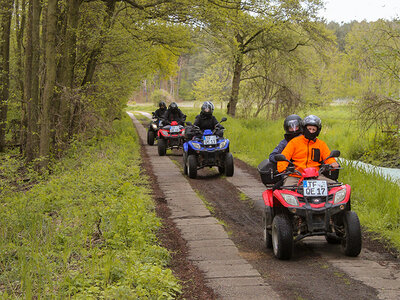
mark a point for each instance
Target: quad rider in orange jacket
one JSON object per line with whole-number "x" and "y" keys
{"x": 306, "y": 151}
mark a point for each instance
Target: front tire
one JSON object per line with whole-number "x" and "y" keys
{"x": 351, "y": 242}
{"x": 267, "y": 235}
{"x": 150, "y": 138}
{"x": 229, "y": 166}
{"x": 185, "y": 169}
{"x": 282, "y": 237}
{"x": 162, "y": 147}
{"x": 192, "y": 166}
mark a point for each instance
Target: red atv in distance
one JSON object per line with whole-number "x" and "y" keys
{"x": 311, "y": 208}
{"x": 170, "y": 137}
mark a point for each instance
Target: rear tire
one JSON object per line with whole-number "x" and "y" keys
{"x": 229, "y": 166}
{"x": 267, "y": 235}
{"x": 150, "y": 138}
{"x": 282, "y": 237}
{"x": 185, "y": 170}
{"x": 192, "y": 166}
{"x": 162, "y": 147}
{"x": 351, "y": 242}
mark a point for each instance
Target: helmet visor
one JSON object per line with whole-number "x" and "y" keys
{"x": 293, "y": 125}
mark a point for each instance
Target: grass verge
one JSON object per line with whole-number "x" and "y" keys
{"x": 88, "y": 231}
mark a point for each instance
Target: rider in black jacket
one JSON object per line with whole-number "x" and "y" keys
{"x": 206, "y": 120}
{"x": 159, "y": 112}
{"x": 173, "y": 113}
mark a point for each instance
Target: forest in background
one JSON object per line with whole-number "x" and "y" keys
{"x": 67, "y": 68}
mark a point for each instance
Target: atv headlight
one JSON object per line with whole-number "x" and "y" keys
{"x": 154, "y": 126}
{"x": 339, "y": 196}
{"x": 290, "y": 199}
{"x": 196, "y": 145}
{"x": 222, "y": 144}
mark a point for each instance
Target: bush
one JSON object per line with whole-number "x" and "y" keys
{"x": 161, "y": 95}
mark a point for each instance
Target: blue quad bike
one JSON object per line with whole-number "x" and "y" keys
{"x": 206, "y": 149}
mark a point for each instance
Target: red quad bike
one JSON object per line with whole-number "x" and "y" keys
{"x": 311, "y": 208}
{"x": 170, "y": 137}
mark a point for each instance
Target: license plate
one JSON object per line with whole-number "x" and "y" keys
{"x": 174, "y": 129}
{"x": 315, "y": 188}
{"x": 210, "y": 140}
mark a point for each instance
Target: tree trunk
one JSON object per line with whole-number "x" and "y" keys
{"x": 51, "y": 70}
{"x": 145, "y": 91}
{"x": 179, "y": 77}
{"x": 35, "y": 98}
{"x": 95, "y": 55}
{"x": 31, "y": 80}
{"x": 6, "y": 12}
{"x": 27, "y": 135}
{"x": 237, "y": 72}
{"x": 70, "y": 42}
{"x": 92, "y": 63}
{"x": 67, "y": 68}
{"x": 19, "y": 32}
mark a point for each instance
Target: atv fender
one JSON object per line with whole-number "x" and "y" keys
{"x": 185, "y": 147}
{"x": 267, "y": 197}
{"x": 268, "y": 201}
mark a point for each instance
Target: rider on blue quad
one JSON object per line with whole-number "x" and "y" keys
{"x": 206, "y": 120}
{"x": 205, "y": 145}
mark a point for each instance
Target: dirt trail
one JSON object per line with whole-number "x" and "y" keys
{"x": 317, "y": 270}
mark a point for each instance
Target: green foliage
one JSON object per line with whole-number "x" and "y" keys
{"x": 213, "y": 85}
{"x": 161, "y": 95}
{"x": 88, "y": 231}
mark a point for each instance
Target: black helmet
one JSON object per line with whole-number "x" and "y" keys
{"x": 292, "y": 122}
{"x": 173, "y": 106}
{"x": 313, "y": 121}
{"x": 207, "y": 108}
{"x": 162, "y": 105}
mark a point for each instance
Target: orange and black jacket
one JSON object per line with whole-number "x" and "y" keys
{"x": 305, "y": 154}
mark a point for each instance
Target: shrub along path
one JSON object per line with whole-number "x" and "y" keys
{"x": 316, "y": 265}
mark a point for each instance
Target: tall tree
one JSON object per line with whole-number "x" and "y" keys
{"x": 6, "y": 12}
{"x": 239, "y": 25}
{"x": 51, "y": 70}
{"x": 66, "y": 70}
{"x": 31, "y": 80}
{"x": 20, "y": 22}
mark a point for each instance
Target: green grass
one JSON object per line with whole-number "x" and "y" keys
{"x": 376, "y": 200}
{"x": 89, "y": 231}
